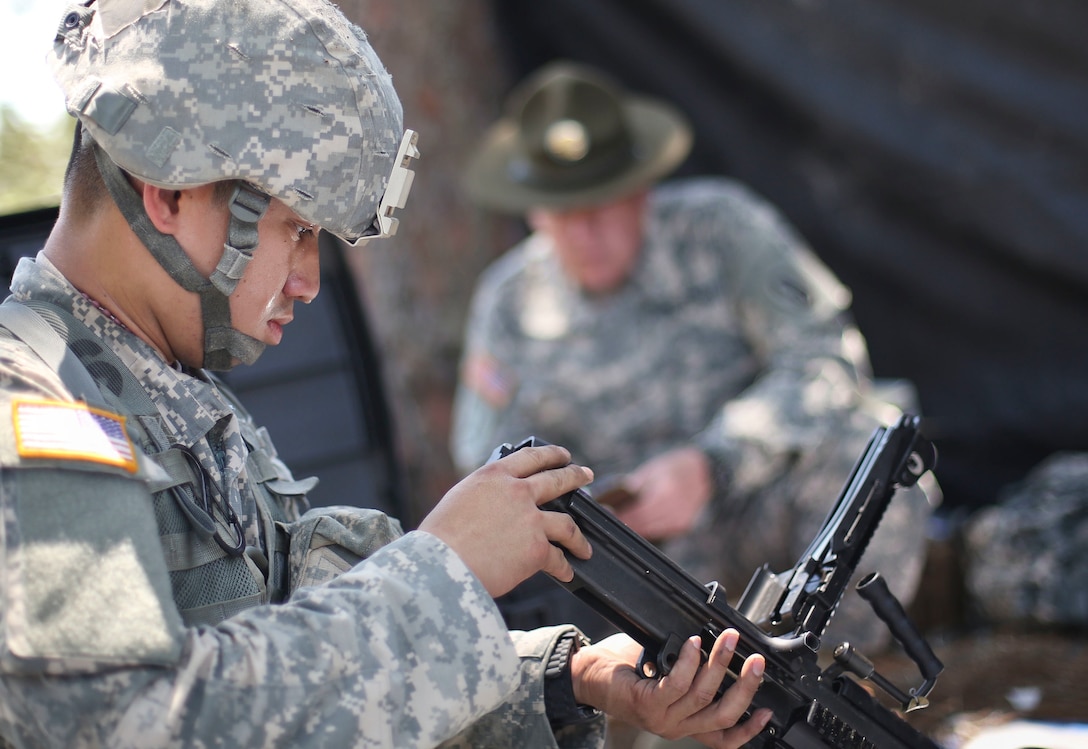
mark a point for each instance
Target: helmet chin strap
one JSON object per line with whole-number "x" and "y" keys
{"x": 223, "y": 345}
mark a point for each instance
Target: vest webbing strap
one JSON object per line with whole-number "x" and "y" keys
{"x": 47, "y": 343}
{"x": 69, "y": 331}
{"x": 49, "y": 331}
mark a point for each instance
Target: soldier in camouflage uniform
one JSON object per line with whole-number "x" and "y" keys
{"x": 163, "y": 583}
{"x": 680, "y": 336}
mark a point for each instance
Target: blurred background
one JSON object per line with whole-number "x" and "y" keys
{"x": 934, "y": 154}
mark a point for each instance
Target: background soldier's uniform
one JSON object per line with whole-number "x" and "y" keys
{"x": 731, "y": 334}
{"x": 112, "y": 583}
{"x": 1026, "y": 558}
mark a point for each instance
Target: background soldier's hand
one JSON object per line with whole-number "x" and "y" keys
{"x": 670, "y": 491}
{"x": 491, "y": 518}
{"x": 680, "y": 704}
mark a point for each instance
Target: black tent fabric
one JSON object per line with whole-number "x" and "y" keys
{"x": 935, "y": 155}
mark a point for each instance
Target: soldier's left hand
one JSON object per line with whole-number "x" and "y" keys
{"x": 679, "y": 704}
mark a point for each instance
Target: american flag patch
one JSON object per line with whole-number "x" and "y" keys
{"x": 486, "y": 376}
{"x": 71, "y": 431}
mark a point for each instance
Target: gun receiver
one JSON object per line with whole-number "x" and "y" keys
{"x": 782, "y": 616}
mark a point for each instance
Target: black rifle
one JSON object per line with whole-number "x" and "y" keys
{"x": 782, "y": 616}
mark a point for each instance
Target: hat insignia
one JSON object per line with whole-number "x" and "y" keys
{"x": 566, "y": 140}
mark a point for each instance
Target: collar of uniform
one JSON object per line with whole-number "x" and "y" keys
{"x": 191, "y": 405}
{"x": 658, "y": 276}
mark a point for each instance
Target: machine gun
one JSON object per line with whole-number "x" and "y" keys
{"x": 781, "y": 616}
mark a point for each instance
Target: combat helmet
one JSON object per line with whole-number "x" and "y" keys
{"x": 287, "y": 98}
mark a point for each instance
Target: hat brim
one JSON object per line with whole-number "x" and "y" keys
{"x": 661, "y": 140}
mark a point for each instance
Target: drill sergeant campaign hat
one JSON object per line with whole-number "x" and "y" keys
{"x": 572, "y": 137}
{"x": 288, "y": 98}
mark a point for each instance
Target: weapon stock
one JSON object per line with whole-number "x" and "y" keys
{"x": 782, "y": 616}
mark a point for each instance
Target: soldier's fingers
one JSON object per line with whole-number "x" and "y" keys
{"x": 704, "y": 687}
{"x": 737, "y": 698}
{"x": 561, "y": 529}
{"x": 555, "y": 482}
{"x": 557, "y": 565}
{"x": 693, "y": 685}
{"x": 730, "y": 711}
{"x": 674, "y": 687}
{"x": 532, "y": 460}
{"x": 740, "y": 734}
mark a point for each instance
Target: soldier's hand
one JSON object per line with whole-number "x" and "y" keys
{"x": 679, "y": 704}
{"x": 492, "y": 519}
{"x": 670, "y": 491}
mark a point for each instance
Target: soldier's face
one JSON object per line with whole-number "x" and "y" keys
{"x": 285, "y": 269}
{"x": 598, "y": 247}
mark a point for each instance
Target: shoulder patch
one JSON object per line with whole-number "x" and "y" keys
{"x": 486, "y": 376}
{"x": 71, "y": 431}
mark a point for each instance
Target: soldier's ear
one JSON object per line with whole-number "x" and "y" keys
{"x": 162, "y": 205}
{"x": 182, "y": 211}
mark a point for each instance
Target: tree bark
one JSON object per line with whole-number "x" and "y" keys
{"x": 416, "y": 286}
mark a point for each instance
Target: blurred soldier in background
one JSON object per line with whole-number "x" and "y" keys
{"x": 680, "y": 338}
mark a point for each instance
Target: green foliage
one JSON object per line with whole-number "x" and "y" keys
{"x": 32, "y": 161}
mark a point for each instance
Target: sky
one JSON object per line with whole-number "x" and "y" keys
{"x": 25, "y": 81}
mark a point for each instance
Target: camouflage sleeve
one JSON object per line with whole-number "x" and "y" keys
{"x": 406, "y": 649}
{"x": 812, "y": 361}
{"x": 484, "y": 386}
{"x": 474, "y": 420}
{"x": 521, "y": 720}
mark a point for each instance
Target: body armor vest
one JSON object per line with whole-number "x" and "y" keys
{"x": 214, "y": 573}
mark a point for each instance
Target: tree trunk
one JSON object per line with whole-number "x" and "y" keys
{"x": 446, "y": 69}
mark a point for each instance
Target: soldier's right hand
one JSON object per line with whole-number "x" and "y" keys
{"x": 492, "y": 518}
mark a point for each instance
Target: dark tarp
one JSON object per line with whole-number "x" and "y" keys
{"x": 935, "y": 154}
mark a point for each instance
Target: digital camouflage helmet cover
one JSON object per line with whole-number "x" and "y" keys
{"x": 289, "y": 99}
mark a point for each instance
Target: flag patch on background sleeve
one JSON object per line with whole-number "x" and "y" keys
{"x": 71, "y": 431}
{"x": 484, "y": 375}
